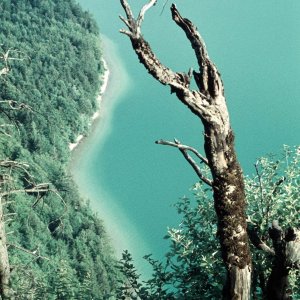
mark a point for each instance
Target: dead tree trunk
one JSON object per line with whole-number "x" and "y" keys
{"x": 209, "y": 104}
{"x": 4, "y": 262}
{"x": 286, "y": 257}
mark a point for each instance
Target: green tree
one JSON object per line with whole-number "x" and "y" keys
{"x": 44, "y": 44}
{"x": 193, "y": 266}
{"x": 65, "y": 286}
{"x": 130, "y": 287}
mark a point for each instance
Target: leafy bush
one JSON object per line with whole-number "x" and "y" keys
{"x": 193, "y": 268}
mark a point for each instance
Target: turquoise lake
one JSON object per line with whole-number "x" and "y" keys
{"x": 133, "y": 183}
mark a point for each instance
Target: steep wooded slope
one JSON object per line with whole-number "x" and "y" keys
{"x": 54, "y": 61}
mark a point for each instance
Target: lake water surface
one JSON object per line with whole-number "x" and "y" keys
{"x": 132, "y": 182}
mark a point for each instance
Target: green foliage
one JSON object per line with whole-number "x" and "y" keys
{"x": 193, "y": 260}
{"x": 55, "y": 64}
{"x": 130, "y": 288}
{"x": 193, "y": 268}
{"x": 273, "y": 194}
{"x": 65, "y": 286}
{"x": 59, "y": 71}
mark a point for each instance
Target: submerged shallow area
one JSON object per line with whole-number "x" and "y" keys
{"x": 85, "y": 166}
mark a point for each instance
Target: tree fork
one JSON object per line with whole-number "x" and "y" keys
{"x": 209, "y": 104}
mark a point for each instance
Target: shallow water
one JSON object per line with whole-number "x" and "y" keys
{"x": 131, "y": 181}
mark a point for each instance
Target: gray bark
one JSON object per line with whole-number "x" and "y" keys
{"x": 209, "y": 104}
{"x": 287, "y": 256}
{"x": 4, "y": 262}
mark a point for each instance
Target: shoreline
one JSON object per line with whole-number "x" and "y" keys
{"x": 86, "y": 165}
{"x": 105, "y": 78}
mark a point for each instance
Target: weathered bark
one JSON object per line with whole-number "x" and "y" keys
{"x": 230, "y": 205}
{"x": 209, "y": 104}
{"x": 257, "y": 241}
{"x": 287, "y": 256}
{"x": 4, "y": 262}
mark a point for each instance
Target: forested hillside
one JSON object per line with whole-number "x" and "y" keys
{"x": 51, "y": 62}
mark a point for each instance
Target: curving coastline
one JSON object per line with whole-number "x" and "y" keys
{"x": 103, "y": 87}
{"x": 86, "y": 168}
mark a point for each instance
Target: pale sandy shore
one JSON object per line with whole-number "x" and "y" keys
{"x": 104, "y": 79}
{"x": 86, "y": 170}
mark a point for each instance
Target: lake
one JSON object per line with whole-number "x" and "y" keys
{"x": 132, "y": 182}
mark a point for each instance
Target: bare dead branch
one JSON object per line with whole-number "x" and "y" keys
{"x": 40, "y": 188}
{"x": 52, "y": 191}
{"x": 166, "y": 2}
{"x": 257, "y": 241}
{"x": 208, "y": 80}
{"x": 126, "y": 32}
{"x": 134, "y": 25}
{"x": 11, "y": 119}
{"x": 3, "y": 128}
{"x": 14, "y": 105}
{"x": 178, "y": 82}
{"x": 13, "y": 164}
{"x": 4, "y": 71}
{"x": 125, "y": 21}
{"x": 127, "y": 10}
{"x": 10, "y": 214}
{"x": 33, "y": 253}
{"x": 183, "y": 149}
{"x": 141, "y": 15}
{"x": 177, "y": 144}
{"x": 7, "y": 221}
{"x": 6, "y": 57}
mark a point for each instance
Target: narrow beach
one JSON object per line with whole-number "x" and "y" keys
{"x": 85, "y": 160}
{"x": 103, "y": 87}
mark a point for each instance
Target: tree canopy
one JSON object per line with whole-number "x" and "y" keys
{"x": 52, "y": 55}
